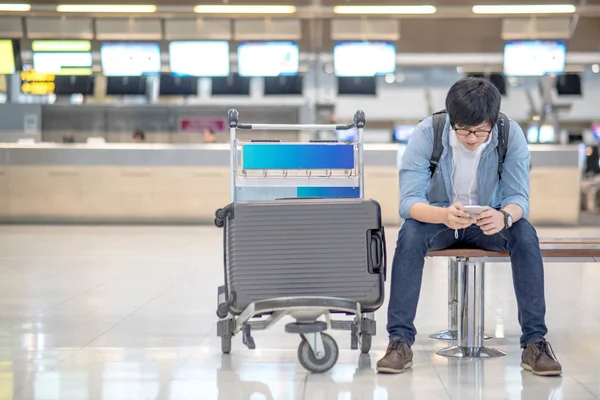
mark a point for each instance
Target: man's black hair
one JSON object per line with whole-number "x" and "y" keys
{"x": 473, "y": 101}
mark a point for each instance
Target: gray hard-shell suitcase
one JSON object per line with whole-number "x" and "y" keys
{"x": 303, "y": 247}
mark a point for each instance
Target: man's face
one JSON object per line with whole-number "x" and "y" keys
{"x": 473, "y": 136}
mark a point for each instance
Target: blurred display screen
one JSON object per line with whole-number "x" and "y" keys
{"x": 70, "y": 85}
{"x": 178, "y": 85}
{"x": 402, "y": 133}
{"x": 62, "y": 57}
{"x": 63, "y": 63}
{"x": 347, "y": 135}
{"x": 543, "y": 134}
{"x": 364, "y": 59}
{"x": 534, "y": 57}
{"x": 126, "y": 85}
{"x": 33, "y": 82}
{"x": 61, "y": 46}
{"x": 596, "y": 132}
{"x": 268, "y": 59}
{"x": 199, "y": 58}
{"x": 7, "y": 57}
{"x": 130, "y": 59}
{"x": 357, "y": 86}
{"x": 532, "y": 134}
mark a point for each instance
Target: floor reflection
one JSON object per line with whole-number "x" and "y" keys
{"x": 178, "y": 374}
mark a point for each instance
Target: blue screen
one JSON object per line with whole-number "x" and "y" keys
{"x": 402, "y": 133}
{"x": 596, "y": 132}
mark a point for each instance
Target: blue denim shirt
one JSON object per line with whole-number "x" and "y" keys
{"x": 417, "y": 185}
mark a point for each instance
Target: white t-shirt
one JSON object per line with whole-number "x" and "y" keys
{"x": 466, "y": 164}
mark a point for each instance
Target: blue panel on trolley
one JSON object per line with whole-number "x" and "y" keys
{"x": 297, "y": 156}
{"x": 328, "y": 192}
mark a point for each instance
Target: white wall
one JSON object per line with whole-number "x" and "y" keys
{"x": 390, "y": 103}
{"x": 408, "y": 100}
{"x": 410, "y": 103}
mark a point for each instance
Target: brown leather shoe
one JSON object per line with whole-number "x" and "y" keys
{"x": 397, "y": 359}
{"x": 539, "y": 358}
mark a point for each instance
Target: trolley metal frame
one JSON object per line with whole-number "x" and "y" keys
{"x": 317, "y": 352}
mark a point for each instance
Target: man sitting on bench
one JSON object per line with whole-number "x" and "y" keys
{"x": 484, "y": 161}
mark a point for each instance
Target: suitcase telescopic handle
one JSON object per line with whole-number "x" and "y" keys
{"x": 377, "y": 258}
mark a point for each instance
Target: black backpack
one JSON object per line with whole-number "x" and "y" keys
{"x": 439, "y": 121}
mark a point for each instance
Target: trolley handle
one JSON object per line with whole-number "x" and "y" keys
{"x": 359, "y": 122}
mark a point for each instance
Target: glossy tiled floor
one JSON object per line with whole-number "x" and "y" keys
{"x": 127, "y": 313}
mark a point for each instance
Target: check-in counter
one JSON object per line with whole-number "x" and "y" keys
{"x": 555, "y": 184}
{"x": 186, "y": 183}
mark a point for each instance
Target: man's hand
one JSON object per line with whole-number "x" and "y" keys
{"x": 490, "y": 221}
{"x": 456, "y": 218}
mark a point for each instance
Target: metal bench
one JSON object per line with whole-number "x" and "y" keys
{"x": 466, "y": 290}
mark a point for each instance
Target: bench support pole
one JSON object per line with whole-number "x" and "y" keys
{"x": 470, "y": 317}
{"x": 452, "y": 332}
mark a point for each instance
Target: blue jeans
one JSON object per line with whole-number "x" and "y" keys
{"x": 416, "y": 239}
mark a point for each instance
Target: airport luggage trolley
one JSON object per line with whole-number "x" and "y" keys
{"x": 268, "y": 170}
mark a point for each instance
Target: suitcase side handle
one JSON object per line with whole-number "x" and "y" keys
{"x": 376, "y": 252}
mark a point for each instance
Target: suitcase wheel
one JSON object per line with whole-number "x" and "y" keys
{"x": 221, "y": 213}
{"x": 313, "y": 364}
{"x": 219, "y": 223}
{"x": 226, "y": 344}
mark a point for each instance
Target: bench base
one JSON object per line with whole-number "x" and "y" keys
{"x": 449, "y": 335}
{"x": 470, "y": 352}
{"x": 445, "y": 335}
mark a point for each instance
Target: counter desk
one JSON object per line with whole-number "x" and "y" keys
{"x": 148, "y": 183}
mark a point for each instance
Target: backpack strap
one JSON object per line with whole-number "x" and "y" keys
{"x": 503, "y": 134}
{"x": 439, "y": 121}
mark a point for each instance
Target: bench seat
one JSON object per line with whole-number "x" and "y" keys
{"x": 551, "y": 248}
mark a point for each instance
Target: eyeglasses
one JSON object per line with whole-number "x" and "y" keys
{"x": 466, "y": 132}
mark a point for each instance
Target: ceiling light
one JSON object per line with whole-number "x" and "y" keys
{"x": 15, "y": 7}
{"x": 106, "y": 8}
{"x": 384, "y": 10}
{"x": 525, "y": 9}
{"x": 241, "y": 9}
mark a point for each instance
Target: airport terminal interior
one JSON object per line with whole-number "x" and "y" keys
{"x": 128, "y": 129}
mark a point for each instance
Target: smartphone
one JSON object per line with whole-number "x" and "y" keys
{"x": 473, "y": 211}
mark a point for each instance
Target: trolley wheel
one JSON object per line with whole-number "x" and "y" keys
{"x": 365, "y": 343}
{"x": 226, "y": 344}
{"x": 219, "y": 223}
{"x": 311, "y": 363}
